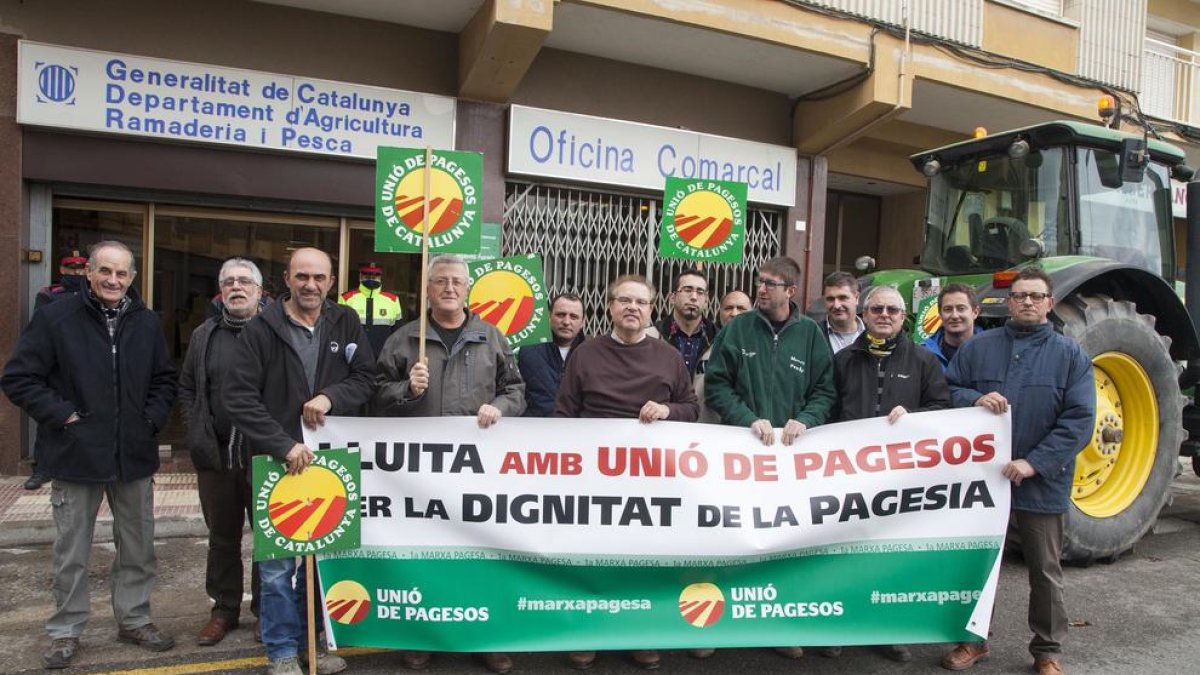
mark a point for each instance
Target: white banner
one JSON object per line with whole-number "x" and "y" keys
{"x": 614, "y": 487}
{"x": 113, "y": 93}
{"x": 615, "y": 152}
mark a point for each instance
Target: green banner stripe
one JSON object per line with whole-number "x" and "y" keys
{"x": 500, "y": 605}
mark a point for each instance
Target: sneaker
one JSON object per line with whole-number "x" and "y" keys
{"x": 701, "y": 653}
{"x": 829, "y": 652}
{"x": 965, "y": 655}
{"x": 147, "y": 637}
{"x": 35, "y": 481}
{"x": 327, "y": 664}
{"x": 61, "y": 651}
{"x": 287, "y": 666}
{"x": 897, "y": 653}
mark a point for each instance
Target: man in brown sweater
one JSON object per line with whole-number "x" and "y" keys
{"x": 627, "y": 374}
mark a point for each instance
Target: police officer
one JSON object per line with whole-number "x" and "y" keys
{"x": 378, "y": 310}
{"x": 71, "y": 271}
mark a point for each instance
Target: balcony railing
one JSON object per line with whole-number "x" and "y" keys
{"x": 1170, "y": 82}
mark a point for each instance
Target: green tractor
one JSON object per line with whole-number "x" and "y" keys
{"x": 1091, "y": 206}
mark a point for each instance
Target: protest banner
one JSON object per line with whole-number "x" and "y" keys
{"x": 510, "y": 294}
{"x": 703, "y": 220}
{"x": 579, "y": 534}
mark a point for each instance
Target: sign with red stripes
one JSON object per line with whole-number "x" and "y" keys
{"x": 510, "y": 294}
{"x": 703, "y": 220}
{"x": 455, "y": 196}
{"x": 315, "y": 511}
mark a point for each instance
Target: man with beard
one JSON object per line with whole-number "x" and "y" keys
{"x": 686, "y": 328}
{"x": 842, "y": 325}
{"x": 734, "y": 303}
{"x": 303, "y": 357}
{"x": 542, "y": 365}
{"x": 958, "y": 310}
{"x": 217, "y": 449}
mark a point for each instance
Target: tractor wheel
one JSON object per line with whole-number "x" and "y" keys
{"x": 1123, "y": 477}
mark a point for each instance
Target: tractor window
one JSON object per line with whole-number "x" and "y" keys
{"x": 981, "y": 210}
{"x": 1128, "y": 222}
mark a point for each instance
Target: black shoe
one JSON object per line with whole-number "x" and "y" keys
{"x": 147, "y": 637}
{"x": 36, "y": 481}
{"x": 61, "y": 651}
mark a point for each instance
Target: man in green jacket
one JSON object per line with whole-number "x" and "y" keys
{"x": 772, "y": 367}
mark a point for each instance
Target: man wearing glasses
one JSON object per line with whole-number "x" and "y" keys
{"x": 627, "y": 374}
{"x": 1047, "y": 381}
{"x": 686, "y": 328}
{"x": 468, "y": 370}
{"x": 218, "y": 450}
{"x": 884, "y": 373}
{"x": 772, "y": 368}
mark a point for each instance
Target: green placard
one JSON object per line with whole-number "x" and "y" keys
{"x": 926, "y": 319}
{"x": 456, "y": 192}
{"x": 703, "y": 220}
{"x": 316, "y": 511}
{"x": 489, "y": 243}
{"x": 510, "y": 294}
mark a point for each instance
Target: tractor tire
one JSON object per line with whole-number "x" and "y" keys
{"x": 1123, "y": 477}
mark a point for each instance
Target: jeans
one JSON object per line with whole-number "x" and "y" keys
{"x": 283, "y": 615}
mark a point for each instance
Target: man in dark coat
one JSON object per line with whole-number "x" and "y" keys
{"x": 1047, "y": 380}
{"x": 218, "y": 450}
{"x": 542, "y": 365}
{"x": 302, "y": 357}
{"x": 92, "y": 370}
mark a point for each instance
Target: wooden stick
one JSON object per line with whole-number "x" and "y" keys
{"x": 310, "y": 569}
{"x": 424, "y": 325}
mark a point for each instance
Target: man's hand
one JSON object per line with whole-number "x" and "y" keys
{"x": 994, "y": 402}
{"x": 763, "y": 430}
{"x": 314, "y": 411}
{"x": 488, "y": 415}
{"x": 896, "y": 414}
{"x": 1018, "y": 470}
{"x": 418, "y": 379}
{"x": 298, "y": 459}
{"x": 792, "y": 431}
{"x": 653, "y": 411}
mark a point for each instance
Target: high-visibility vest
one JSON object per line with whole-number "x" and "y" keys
{"x": 374, "y": 307}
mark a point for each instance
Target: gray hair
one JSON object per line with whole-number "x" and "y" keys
{"x": 446, "y": 259}
{"x": 111, "y": 243}
{"x": 241, "y": 262}
{"x": 875, "y": 290}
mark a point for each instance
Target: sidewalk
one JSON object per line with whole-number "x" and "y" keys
{"x": 26, "y": 518}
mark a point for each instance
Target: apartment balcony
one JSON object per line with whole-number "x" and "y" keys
{"x": 1171, "y": 83}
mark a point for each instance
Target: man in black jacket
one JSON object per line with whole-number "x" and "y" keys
{"x": 542, "y": 365}
{"x": 884, "y": 373}
{"x": 218, "y": 450}
{"x": 302, "y": 357}
{"x": 92, "y": 370}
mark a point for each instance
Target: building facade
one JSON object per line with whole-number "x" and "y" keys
{"x": 195, "y": 131}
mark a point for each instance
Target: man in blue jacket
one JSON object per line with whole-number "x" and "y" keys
{"x": 92, "y": 370}
{"x": 542, "y": 365}
{"x": 1047, "y": 381}
{"x": 958, "y": 309}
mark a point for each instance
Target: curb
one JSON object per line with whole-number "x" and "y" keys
{"x": 32, "y": 533}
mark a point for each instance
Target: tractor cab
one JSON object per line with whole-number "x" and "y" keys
{"x": 1055, "y": 189}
